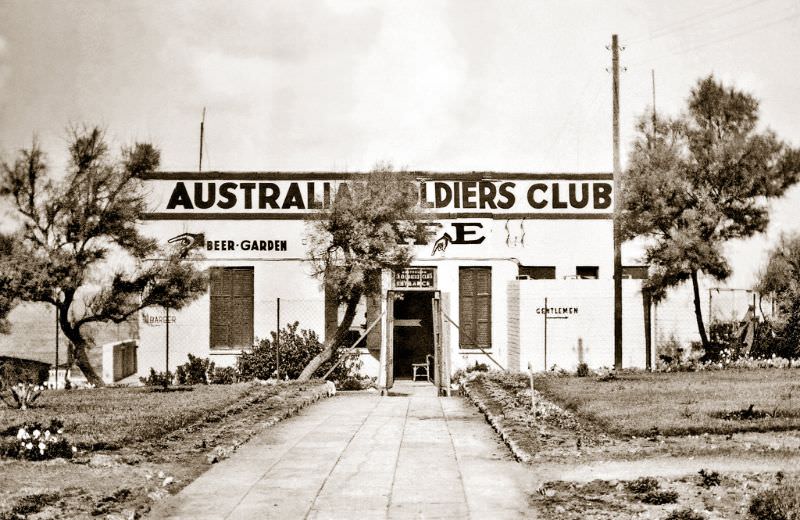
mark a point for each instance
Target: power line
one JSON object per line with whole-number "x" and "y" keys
{"x": 750, "y": 30}
{"x": 696, "y": 20}
{"x": 742, "y": 33}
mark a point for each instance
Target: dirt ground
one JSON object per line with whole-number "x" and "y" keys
{"x": 612, "y": 499}
{"x": 123, "y": 483}
{"x": 581, "y": 472}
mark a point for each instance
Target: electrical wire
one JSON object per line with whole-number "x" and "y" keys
{"x": 738, "y": 34}
{"x": 695, "y": 20}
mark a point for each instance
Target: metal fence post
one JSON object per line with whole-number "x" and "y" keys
{"x": 533, "y": 396}
{"x": 167, "y": 338}
{"x": 278, "y": 340}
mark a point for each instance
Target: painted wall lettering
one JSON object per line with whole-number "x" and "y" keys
{"x": 526, "y": 195}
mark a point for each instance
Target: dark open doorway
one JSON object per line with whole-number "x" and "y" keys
{"x": 413, "y": 332}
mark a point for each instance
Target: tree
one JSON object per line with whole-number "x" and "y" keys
{"x": 780, "y": 278}
{"x": 698, "y": 180}
{"x": 78, "y": 245}
{"x": 365, "y": 231}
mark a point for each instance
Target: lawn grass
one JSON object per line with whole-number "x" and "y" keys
{"x": 138, "y": 445}
{"x": 108, "y": 418}
{"x": 682, "y": 403}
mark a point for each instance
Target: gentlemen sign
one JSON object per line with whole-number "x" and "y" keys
{"x": 282, "y": 195}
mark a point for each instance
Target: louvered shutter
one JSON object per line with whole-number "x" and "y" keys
{"x": 466, "y": 305}
{"x": 483, "y": 307}
{"x": 475, "y": 307}
{"x": 231, "y": 307}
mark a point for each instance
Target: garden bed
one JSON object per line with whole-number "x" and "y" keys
{"x": 578, "y": 454}
{"x": 137, "y": 445}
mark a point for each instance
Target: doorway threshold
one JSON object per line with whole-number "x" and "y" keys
{"x": 409, "y": 388}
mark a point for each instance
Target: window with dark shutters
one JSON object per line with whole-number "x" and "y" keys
{"x": 475, "y": 307}
{"x": 231, "y": 307}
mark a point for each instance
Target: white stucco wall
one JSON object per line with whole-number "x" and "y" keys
{"x": 581, "y": 324}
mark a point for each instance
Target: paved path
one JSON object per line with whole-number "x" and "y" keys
{"x": 365, "y": 456}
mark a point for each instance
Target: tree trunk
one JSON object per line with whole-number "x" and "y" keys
{"x": 335, "y": 342}
{"x": 698, "y": 311}
{"x": 79, "y": 346}
{"x": 82, "y": 360}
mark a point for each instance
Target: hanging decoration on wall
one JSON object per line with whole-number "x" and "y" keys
{"x": 514, "y": 237}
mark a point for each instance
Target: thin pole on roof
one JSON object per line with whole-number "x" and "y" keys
{"x": 202, "y": 124}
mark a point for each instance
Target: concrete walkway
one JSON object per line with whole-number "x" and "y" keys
{"x": 411, "y": 455}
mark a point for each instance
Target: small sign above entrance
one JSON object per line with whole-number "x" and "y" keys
{"x": 415, "y": 278}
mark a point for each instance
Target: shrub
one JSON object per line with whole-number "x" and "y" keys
{"x": 355, "y": 383}
{"x": 583, "y": 370}
{"x": 779, "y": 503}
{"x": 779, "y": 337}
{"x": 23, "y": 395}
{"x": 14, "y": 371}
{"x": 223, "y": 376}
{"x": 296, "y": 349}
{"x": 30, "y": 505}
{"x": 35, "y": 441}
{"x": 163, "y": 379}
{"x": 708, "y": 478}
{"x": 194, "y": 372}
{"x": 684, "y": 514}
{"x": 477, "y": 367}
{"x": 642, "y": 485}
{"x": 659, "y": 497}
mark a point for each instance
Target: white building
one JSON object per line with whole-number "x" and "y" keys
{"x": 503, "y": 245}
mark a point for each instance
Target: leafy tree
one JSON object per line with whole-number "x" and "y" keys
{"x": 78, "y": 245}
{"x": 695, "y": 181}
{"x": 781, "y": 279}
{"x": 365, "y": 231}
{"x": 781, "y": 276}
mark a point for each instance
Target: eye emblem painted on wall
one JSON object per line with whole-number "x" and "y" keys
{"x": 465, "y": 233}
{"x": 185, "y": 242}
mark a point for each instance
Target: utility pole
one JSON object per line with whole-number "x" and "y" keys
{"x": 166, "y": 349}
{"x": 278, "y": 341}
{"x": 202, "y": 124}
{"x": 616, "y": 232}
{"x": 653, "y": 81}
{"x": 56, "y": 385}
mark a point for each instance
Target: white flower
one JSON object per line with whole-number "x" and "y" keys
{"x": 74, "y": 449}
{"x": 28, "y": 446}
{"x": 47, "y": 434}
{"x": 36, "y": 434}
{"x": 60, "y": 431}
{"x": 42, "y": 446}
{"x": 21, "y": 433}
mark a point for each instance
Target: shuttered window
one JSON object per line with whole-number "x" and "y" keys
{"x": 231, "y": 307}
{"x": 475, "y": 307}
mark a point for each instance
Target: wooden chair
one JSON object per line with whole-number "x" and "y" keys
{"x": 418, "y": 367}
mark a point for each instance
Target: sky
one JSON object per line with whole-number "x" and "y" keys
{"x": 339, "y": 85}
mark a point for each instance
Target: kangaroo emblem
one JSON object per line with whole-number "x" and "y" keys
{"x": 441, "y": 244}
{"x": 187, "y": 241}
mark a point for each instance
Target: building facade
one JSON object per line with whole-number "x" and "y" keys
{"x": 518, "y": 273}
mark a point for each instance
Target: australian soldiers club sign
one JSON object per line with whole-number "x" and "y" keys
{"x": 292, "y": 196}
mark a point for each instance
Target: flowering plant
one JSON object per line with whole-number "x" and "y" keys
{"x": 24, "y": 395}
{"x": 35, "y": 441}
